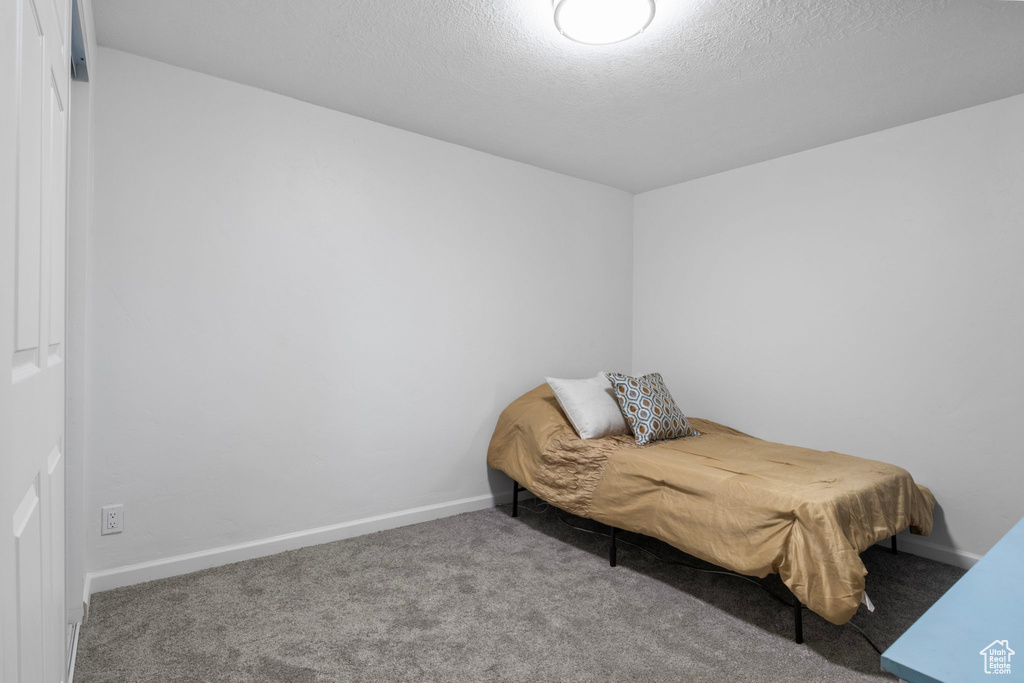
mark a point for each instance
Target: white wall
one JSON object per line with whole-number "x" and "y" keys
{"x": 864, "y": 297}
{"x": 300, "y": 318}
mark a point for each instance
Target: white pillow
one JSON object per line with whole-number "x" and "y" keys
{"x": 590, "y": 405}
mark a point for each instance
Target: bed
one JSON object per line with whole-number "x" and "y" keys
{"x": 751, "y": 506}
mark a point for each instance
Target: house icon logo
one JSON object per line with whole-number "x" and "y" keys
{"x": 997, "y": 657}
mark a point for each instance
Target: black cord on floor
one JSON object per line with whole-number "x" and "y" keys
{"x": 539, "y": 511}
{"x": 866, "y": 637}
{"x": 723, "y": 572}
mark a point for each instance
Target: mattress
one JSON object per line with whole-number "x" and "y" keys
{"x": 749, "y": 505}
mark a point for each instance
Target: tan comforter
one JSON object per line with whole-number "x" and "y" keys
{"x": 752, "y": 506}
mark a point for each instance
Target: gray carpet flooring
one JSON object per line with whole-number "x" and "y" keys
{"x": 485, "y": 597}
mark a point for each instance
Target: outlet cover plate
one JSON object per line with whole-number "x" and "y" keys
{"x": 112, "y": 521}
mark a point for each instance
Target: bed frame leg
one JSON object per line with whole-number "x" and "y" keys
{"x": 798, "y": 622}
{"x": 612, "y": 556}
{"x": 515, "y": 498}
{"x": 893, "y": 548}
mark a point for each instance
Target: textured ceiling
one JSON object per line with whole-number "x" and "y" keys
{"x": 711, "y": 85}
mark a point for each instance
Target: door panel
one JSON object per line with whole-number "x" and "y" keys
{"x": 34, "y": 73}
{"x": 30, "y": 164}
{"x": 28, "y": 542}
{"x": 55, "y": 216}
{"x": 52, "y": 490}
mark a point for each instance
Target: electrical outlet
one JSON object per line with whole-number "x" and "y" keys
{"x": 113, "y": 519}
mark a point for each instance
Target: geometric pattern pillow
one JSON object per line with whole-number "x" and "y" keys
{"x": 649, "y": 409}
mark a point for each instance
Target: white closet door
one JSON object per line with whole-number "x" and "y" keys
{"x": 34, "y": 82}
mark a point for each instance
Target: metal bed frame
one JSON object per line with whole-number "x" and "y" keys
{"x": 798, "y": 607}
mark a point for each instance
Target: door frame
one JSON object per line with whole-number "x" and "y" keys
{"x": 80, "y": 217}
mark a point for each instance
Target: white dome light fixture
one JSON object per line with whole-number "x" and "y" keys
{"x": 601, "y": 22}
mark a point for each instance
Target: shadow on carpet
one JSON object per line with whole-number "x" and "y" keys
{"x": 486, "y": 597}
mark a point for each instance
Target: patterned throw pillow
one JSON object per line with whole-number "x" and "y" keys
{"x": 649, "y": 408}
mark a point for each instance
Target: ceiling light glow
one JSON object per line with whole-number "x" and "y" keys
{"x": 600, "y": 22}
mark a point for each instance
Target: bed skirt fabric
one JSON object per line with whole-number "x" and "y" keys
{"x": 748, "y": 505}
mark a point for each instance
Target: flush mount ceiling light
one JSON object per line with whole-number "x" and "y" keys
{"x": 600, "y": 22}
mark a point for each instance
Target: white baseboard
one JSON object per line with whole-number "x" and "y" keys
{"x": 118, "y": 577}
{"x": 108, "y": 579}
{"x": 932, "y": 551}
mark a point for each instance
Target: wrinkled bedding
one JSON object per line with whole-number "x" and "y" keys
{"x": 748, "y": 505}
